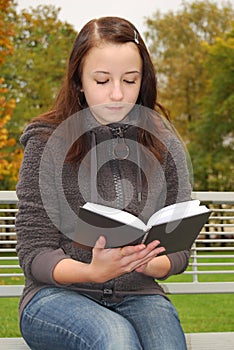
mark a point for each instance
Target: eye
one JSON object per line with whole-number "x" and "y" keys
{"x": 130, "y": 81}
{"x": 101, "y": 82}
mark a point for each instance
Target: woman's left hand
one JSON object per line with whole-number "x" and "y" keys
{"x": 158, "y": 267}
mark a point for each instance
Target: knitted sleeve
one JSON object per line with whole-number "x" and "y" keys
{"x": 178, "y": 179}
{"x": 37, "y": 237}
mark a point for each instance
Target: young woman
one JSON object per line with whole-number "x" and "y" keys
{"x": 106, "y": 140}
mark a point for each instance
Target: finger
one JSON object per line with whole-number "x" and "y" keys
{"x": 152, "y": 245}
{"x": 141, "y": 268}
{"x": 151, "y": 249}
{"x": 153, "y": 253}
{"x": 146, "y": 258}
{"x": 100, "y": 243}
{"x": 129, "y": 250}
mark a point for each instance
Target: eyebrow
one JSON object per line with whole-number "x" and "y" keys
{"x": 104, "y": 72}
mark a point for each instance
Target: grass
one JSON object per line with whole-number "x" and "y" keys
{"x": 198, "y": 313}
{"x": 205, "y": 312}
{"x": 9, "y": 317}
{"x": 9, "y": 306}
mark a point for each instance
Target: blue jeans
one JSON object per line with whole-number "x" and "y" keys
{"x": 60, "y": 319}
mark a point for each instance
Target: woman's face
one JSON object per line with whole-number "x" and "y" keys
{"x": 111, "y": 80}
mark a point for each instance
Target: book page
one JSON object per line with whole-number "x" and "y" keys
{"x": 176, "y": 211}
{"x": 116, "y": 214}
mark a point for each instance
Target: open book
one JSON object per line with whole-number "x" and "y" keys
{"x": 175, "y": 226}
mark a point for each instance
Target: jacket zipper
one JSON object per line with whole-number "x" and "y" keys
{"x": 114, "y": 163}
{"x": 117, "y": 183}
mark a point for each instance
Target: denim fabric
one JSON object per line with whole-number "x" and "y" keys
{"x": 60, "y": 319}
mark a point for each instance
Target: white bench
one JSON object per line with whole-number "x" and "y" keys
{"x": 195, "y": 341}
{"x": 219, "y": 230}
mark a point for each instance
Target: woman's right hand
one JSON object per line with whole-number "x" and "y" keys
{"x": 108, "y": 263}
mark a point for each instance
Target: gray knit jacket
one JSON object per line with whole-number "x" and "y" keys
{"x": 50, "y": 192}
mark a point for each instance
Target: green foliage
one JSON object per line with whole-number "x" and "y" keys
{"x": 193, "y": 54}
{"x": 35, "y": 71}
{"x": 176, "y": 41}
{"x": 31, "y": 75}
{"x": 213, "y": 133}
{"x": 192, "y": 50}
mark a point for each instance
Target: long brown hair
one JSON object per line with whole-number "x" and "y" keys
{"x": 71, "y": 99}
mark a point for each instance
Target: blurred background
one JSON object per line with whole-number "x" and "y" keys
{"x": 192, "y": 46}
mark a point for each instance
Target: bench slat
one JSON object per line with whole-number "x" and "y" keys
{"x": 198, "y": 287}
{"x": 11, "y": 290}
{"x": 195, "y": 341}
{"x": 13, "y": 344}
{"x": 210, "y": 341}
{"x": 170, "y": 288}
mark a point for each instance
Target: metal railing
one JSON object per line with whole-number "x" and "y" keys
{"x": 212, "y": 253}
{"x": 216, "y": 240}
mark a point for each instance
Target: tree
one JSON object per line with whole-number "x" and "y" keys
{"x": 176, "y": 44}
{"x": 6, "y": 30}
{"x": 193, "y": 54}
{"x": 9, "y": 161}
{"x": 31, "y": 75}
{"x": 212, "y": 147}
{"x": 35, "y": 71}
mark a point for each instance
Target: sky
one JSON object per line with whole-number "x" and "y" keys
{"x": 78, "y": 12}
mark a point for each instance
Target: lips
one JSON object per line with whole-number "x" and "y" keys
{"x": 113, "y": 108}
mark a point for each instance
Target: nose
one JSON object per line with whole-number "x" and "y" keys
{"x": 116, "y": 92}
